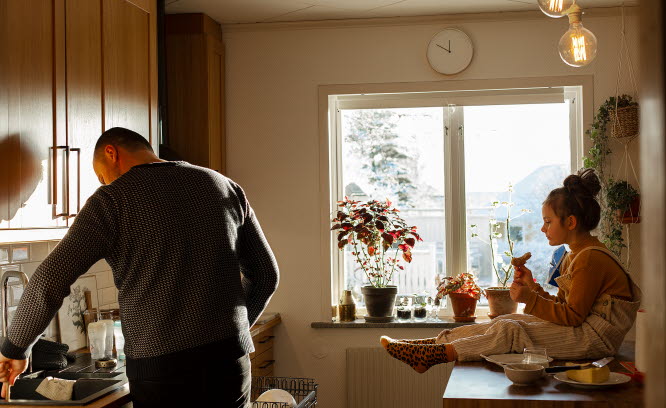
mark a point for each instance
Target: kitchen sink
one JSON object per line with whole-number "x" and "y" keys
{"x": 89, "y": 386}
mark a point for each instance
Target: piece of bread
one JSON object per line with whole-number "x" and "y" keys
{"x": 594, "y": 375}
{"x": 520, "y": 261}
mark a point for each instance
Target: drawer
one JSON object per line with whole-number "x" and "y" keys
{"x": 263, "y": 364}
{"x": 262, "y": 342}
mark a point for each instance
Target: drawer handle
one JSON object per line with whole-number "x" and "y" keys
{"x": 265, "y": 339}
{"x": 267, "y": 364}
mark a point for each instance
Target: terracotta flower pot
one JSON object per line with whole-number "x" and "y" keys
{"x": 464, "y": 307}
{"x": 632, "y": 215}
{"x": 500, "y": 302}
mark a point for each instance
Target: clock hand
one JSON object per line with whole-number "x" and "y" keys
{"x": 449, "y": 51}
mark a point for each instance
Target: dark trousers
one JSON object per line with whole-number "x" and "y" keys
{"x": 196, "y": 381}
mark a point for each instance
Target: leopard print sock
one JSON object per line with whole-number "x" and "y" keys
{"x": 421, "y": 356}
{"x": 386, "y": 339}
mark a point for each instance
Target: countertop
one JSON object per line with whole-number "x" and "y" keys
{"x": 483, "y": 384}
{"x": 121, "y": 396}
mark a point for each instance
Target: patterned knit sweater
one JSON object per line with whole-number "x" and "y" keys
{"x": 189, "y": 259}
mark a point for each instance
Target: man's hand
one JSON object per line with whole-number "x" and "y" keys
{"x": 519, "y": 292}
{"x": 9, "y": 370}
{"x": 523, "y": 275}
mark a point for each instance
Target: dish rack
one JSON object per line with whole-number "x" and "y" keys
{"x": 304, "y": 391}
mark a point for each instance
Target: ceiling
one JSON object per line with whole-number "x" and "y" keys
{"x": 269, "y": 11}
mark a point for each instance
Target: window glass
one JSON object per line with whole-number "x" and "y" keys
{"x": 526, "y": 147}
{"x": 398, "y": 154}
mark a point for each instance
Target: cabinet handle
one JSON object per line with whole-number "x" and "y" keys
{"x": 65, "y": 186}
{"x": 77, "y": 150}
{"x": 265, "y": 339}
{"x": 267, "y": 364}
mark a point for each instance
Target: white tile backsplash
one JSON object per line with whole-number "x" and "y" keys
{"x": 20, "y": 253}
{"x": 26, "y": 257}
{"x": 39, "y": 251}
{"x": 30, "y": 268}
{"x": 4, "y": 255}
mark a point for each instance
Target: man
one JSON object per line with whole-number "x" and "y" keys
{"x": 192, "y": 268}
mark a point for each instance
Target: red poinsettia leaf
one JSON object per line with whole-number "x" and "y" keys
{"x": 407, "y": 256}
{"x": 388, "y": 238}
{"x": 341, "y": 244}
{"x": 410, "y": 242}
{"x": 371, "y": 250}
{"x": 342, "y": 234}
{"x": 403, "y": 247}
{"x": 341, "y": 216}
{"x": 383, "y": 218}
{"x": 366, "y": 218}
{"x": 336, "y": 226}
{"x": 379, "y": 225}
{"x": 346, "y": 226}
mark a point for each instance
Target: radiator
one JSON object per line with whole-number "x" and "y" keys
{"x": 377, "y": 380}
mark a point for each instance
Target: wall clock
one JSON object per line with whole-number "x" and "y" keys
{"x": 450, "y": 51}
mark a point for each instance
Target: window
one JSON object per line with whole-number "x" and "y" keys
{"x": 452, "y": 162}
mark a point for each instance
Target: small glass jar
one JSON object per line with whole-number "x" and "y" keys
{"x": 404, "y": 308}
{"x": 420, "y": 312}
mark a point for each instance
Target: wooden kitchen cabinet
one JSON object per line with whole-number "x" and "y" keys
{"x": 263, "y": 358}
{"x": 73, "y": 68}
{"x": 28, "y": 119}
{"x": 195, "y": 89}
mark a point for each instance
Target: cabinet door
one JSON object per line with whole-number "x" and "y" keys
{"x": 84, "y": 95}
{"x": 216, "y": 154}
{"x": 129, "y": 66}
{"x": 29, "y": 126}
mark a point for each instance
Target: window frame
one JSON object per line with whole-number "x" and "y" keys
{"x": 576, "y": 90}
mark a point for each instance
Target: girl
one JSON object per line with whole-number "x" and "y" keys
{"x": 595, "y": 307}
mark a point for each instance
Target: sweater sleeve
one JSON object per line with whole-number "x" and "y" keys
{"x": 260, "y": 273}
{"x": 84, "y": 244}
{"x": 586, "y": 284}
{"x": 535, "y": 287}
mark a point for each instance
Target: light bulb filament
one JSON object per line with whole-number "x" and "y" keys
{"x": 578, "y": 43}
{"x": 556, "y": 5}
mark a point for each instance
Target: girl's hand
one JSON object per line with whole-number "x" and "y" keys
{"x": 523, "y": 275}
{"x": 519, "y": 292}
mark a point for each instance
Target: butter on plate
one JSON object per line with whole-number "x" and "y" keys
{"x": 594, "y": 375}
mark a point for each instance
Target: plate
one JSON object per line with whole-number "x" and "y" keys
{"x": 614, "y": 379}
{"x": 502, "y": 359}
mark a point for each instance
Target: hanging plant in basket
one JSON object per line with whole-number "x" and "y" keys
{"x": 624, "y": 200}
{"x": 624, "y": 118}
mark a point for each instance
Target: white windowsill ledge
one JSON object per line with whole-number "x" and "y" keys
{"x": 360, "y": 323}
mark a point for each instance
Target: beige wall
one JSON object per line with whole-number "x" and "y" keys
{"x": 272, "y": 77}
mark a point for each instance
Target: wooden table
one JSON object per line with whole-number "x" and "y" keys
{"x": 483, "y": 384}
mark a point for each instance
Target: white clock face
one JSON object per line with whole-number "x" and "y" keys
{"x": 450, "y": 51}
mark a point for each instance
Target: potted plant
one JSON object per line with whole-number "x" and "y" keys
{"x": 604, "y": 125}
{"x": 624, "y": 200}
{"x": 499, "y": 300}
{"x": 464, "y": 293}
{"x": 380, "y": 239}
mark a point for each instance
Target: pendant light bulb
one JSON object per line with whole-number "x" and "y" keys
{"x": 555, "y": 8}
{"x": 578, "y": 46}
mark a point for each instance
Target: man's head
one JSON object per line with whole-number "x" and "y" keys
{"x": 117, "y": 151}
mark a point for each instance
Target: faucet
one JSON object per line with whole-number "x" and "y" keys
{"x": 5, "y": 323}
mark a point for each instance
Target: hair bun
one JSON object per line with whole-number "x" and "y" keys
{"x": 585, "y": 182}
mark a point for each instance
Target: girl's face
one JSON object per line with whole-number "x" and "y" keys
{"x": 555, "y": 230}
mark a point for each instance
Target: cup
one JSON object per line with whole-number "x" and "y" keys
{"x": 535, "y": 355}
{"x": 106, "y": 317}
{"x": 97, "y": 339}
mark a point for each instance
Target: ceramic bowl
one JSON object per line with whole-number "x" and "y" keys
{"x": 523, "y": 374}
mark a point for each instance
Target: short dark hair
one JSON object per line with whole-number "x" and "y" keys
{"x": 577, "y": 197}
{"x": 121, "y": 137}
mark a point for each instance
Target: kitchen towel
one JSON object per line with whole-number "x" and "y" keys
{"x": 56, "y": 388}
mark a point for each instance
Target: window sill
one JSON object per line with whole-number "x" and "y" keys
{"x": 444, "y": 323}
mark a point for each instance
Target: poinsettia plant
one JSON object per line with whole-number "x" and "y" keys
{"x": 379, "y": 237}
{"x": 465, "y": 283}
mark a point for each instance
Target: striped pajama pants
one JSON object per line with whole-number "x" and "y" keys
{"x": 512, "y": 333}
